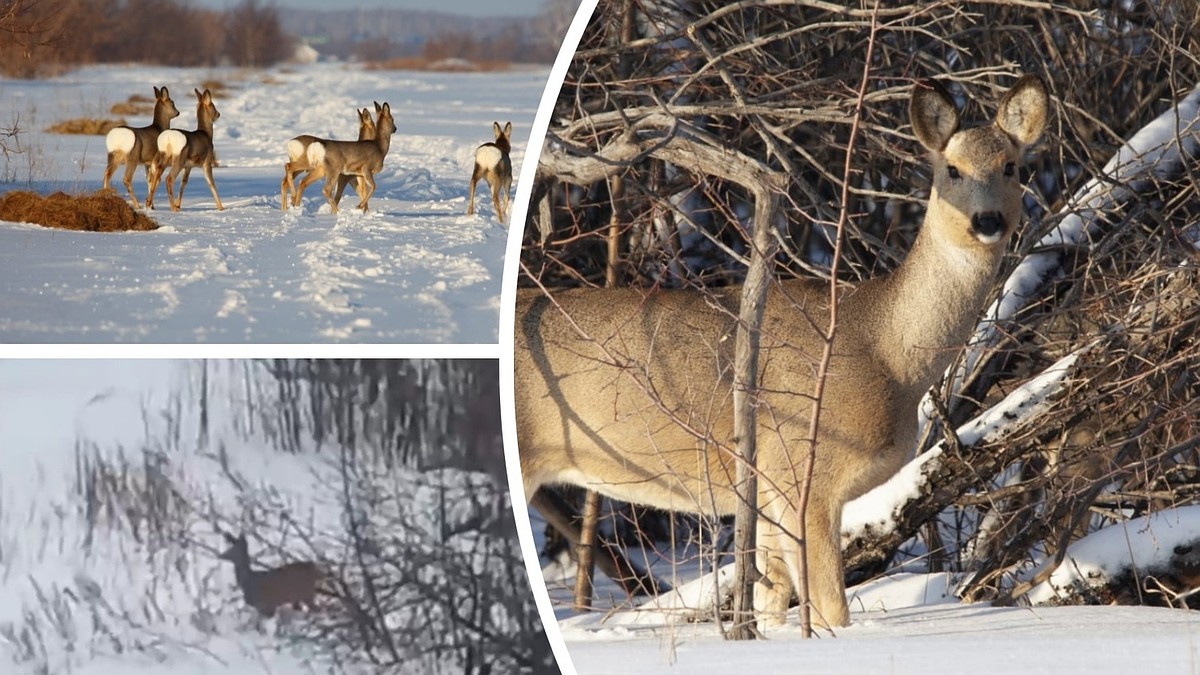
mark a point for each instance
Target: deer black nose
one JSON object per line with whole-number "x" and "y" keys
{"x": 987, "y": 224}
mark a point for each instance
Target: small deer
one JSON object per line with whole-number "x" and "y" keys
{"x": 137, "y": 145}
{"x": 332, "y": 159}
{"x": 183, "y": 150}
{"x": 292, "y": 584}
{"x": 493, "y": 165}
{"x": 297, "y": 150}
{"x": 626, "y": 391}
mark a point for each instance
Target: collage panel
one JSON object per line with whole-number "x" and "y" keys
{"x": 352, "y": 168}
{"x": 259, "y": 516}
{"x": 262, "y": 510}
{"x": 760, "y": 236}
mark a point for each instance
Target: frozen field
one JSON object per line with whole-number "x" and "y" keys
{"x": 415, "y": 269}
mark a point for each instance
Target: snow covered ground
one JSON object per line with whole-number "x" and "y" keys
{"x": 905, "y": 623}
{"x": 415, "y": 269}
{"x": 81, "y": 592}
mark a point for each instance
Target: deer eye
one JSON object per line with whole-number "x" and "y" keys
{"x": 953, "y": 171}
{"x": 1010, "y": 169}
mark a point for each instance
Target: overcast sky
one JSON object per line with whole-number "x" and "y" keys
{"x": 471, "y": 7}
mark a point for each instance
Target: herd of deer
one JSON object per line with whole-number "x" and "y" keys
{"x": 158, "y": 146}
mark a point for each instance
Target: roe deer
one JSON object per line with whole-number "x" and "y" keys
{"x": 627, "y": 391}
{"x": 493, "y": 165}
{"x": 267, "y": 590}
{"x": 297, "y": 150}
{"x": 183, "y": 150}
{"x": 333, "y": 159}
{"x": 137, "y": 145}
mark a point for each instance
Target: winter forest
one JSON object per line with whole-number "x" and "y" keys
{"x": 682, "y": 127}
{"x": 124, "y": 483}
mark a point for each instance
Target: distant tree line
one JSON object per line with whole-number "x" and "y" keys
{"x": 45, "y": 36}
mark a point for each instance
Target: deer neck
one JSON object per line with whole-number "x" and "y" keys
{"x": 241, "y": 572}
{"x": 931, "y": 302}
{"x": 384, "y": 141}
{"x": 162, "y": 117}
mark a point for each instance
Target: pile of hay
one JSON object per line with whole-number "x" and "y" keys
{"x": 98, "y": 212}
{"x": 86, "y": 126}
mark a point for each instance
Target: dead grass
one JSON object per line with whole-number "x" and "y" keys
{"x": 455, "y": 65}
{"x": 86, "y": 126}
{"x": 218, "y": 87}
{"x": 134, "y": 105}
{"x": 97, "y": 212}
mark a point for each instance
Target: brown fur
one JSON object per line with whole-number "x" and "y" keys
{"x": 361, "y": 159}
{"x": 587, "y": 361}
{"x": 197, "y": 151}
{"x": 145, "y": 144}
{"x": 498, "y": 174}
{"x": 366, "y": 132}
{"x": 291, "y": 584}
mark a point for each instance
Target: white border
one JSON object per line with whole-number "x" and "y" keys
{"x": 508, "y": 301}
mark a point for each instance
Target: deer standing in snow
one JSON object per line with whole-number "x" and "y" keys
{"x": 297, "y": 150}
{"x": 362, "y": 159}
{"x": 183, "y": 150}
{"x": 137, "y": 145}
{"x": 587, "y": 358}
{"x": 292, "y": 584}
{"x": 493, "y": 165}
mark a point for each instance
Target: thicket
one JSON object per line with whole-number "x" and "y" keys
{"x": 46, "y": 36}
{"x": 778, "y": 83}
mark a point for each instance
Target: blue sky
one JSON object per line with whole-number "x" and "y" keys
{"x": 471, "y": 7}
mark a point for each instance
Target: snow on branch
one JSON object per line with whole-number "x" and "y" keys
{"x": 876, "y": 511}
{"x": 1150, "y": 544}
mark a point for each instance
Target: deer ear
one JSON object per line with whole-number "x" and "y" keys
{"x": 933, "y": 115}
{"x": 378, "y": 108}
{"x": 157, "y": 92}
{"x": 507, "y": 128}
{"x": 1023, "y": 110}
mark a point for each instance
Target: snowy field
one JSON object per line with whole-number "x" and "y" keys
{"x": 87, "y": 592}
{"x": 415, "y": 269}
{"x": 903, "y": 624}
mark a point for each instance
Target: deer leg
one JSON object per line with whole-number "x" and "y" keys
{"x": 110, "y": 170}
{"x": 471, "y": 191}
{"x": 178, "y": 204}
{"x": 369, "y": 180}
{"x": 285, "y": 185}
{"x": 343, "y": 180}
{"x": 328, "y": 192}
{"x": 827, "y": 578}
{"x": 130, "y": 167}
{"x": 773, "y": 590}
{"x": 211, "y": 185}
{"x": 153, "y": 177}
{"x": 495, "y": 185}
{"x": 311, "y": 177}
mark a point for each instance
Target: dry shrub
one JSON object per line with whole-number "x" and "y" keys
{"x": 440, "y": 65}
{"x": 97, "y": 212}
{"x": 134, "y": 105}
{"x": 219, "y": 88}
{"x": 85, "y": 126}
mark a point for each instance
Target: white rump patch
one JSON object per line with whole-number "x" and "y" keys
{"x": 295, "y": 150}
{"x": 120, "y": 139}
{"x": 488, "y": 156}
{"x": 171, "y": 142}
{"x": 316, "y": 153}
